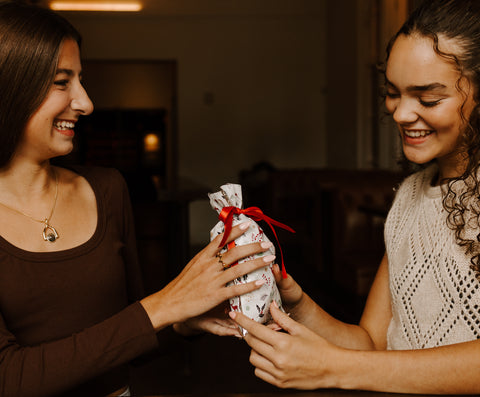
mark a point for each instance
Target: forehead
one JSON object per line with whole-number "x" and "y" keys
{"x": 413, "y": 61}
{"x": 69, "y": 55}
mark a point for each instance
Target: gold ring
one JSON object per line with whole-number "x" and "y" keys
{"x": 220, "y": 260}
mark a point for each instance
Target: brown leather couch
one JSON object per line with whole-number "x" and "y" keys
{"x": 338, "y": 216}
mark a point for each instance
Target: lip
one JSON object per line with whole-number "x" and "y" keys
{"x": 69, "y": 132}
{"x": 411, "y": 140}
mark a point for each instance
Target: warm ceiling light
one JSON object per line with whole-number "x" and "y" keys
{"x": 131, "y": 6}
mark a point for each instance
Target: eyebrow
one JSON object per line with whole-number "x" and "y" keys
{"x": 65, "y": 71}
{"x": 427, "y": 87}
{"x": 68, "y": 72}
{"x": 422, "y": 88}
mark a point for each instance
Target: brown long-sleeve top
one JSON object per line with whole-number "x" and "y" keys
{"x": 70, "y": 320}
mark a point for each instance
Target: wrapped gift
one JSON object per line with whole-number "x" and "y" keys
{"x": 228, "y": 204}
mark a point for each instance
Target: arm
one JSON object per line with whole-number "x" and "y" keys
{"x": 369, "y": 334}
{"x": 202, "y": 284}
{"x": 59, "y": 365}
{"x": 302, "y": 359}
{"x": 451, "y": 369}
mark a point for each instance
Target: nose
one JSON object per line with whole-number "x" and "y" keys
{"x": 405, "y": 111}
{"x": 81, "y": 102}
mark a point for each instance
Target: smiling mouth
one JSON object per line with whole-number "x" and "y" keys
{"x": 64, "y": 125}
{"x": 417, "y": 133}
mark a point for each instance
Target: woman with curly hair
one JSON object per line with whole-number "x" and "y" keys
{"x": 420, "y": 329}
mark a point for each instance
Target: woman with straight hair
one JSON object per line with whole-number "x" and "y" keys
{"x": 72, "y": 309}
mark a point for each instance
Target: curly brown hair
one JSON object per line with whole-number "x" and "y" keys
{"x": 457, "y": 20}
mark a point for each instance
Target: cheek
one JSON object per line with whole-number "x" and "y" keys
{"x": 445, "y": 118}
{"x": 390, "y": 105}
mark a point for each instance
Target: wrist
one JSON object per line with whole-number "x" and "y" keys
{"x": 301, "y": 307}
{"x": 157, "y": 312}
{"x": 351, "y": 369}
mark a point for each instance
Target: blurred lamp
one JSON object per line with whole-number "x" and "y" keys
{"x": 60, "y": 5}
{"x": 151, "y": 142}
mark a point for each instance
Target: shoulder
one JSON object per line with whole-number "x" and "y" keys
{"x": 103, "y": 180}
{"x": 94, "y": 173}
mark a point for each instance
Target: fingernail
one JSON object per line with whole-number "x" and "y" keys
{"x": 260, "y": 282}
{"x": 274, "y": 304}
{"x": 269, "y": 258}
{"x": 266, "y": 244}
{"x": 245, "y": 225}
{"x": 232, "y": 315}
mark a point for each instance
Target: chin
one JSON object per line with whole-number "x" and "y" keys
{"x": 417, "y": 157}
{"x": 420, "y": 162}
{"x": 62, "y": 152}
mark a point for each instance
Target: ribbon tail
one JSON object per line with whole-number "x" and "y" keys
{"x": 284, "y": 271}
{"x": 257, "y": 215}
{"x": 227, "y": 220}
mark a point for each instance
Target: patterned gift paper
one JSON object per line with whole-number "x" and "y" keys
{"x": 255, "y": 304}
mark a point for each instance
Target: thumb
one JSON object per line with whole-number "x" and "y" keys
{"x": 277, "y": 274}
{"x": 283, "y": 319}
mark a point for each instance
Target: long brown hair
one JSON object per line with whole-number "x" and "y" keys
{"x": 30, "y": 39}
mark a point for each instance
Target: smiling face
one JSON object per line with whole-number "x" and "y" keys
{"x": 423, "y": 98}
{"x": 49, "y": 132}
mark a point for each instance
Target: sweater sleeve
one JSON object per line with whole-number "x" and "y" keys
{"x": 56, "y": 366}
{"x": 135, "y": 289}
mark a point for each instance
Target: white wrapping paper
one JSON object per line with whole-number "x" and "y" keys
{"x": 256, "y": 304}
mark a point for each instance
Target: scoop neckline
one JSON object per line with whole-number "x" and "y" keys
{"x": 92, "y": 242}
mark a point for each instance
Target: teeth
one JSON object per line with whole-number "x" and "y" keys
{"x": 64, "y": 125}
{"x": 417, "y": 134}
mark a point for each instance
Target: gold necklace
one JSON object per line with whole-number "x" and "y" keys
{"x": 49, "y": 232}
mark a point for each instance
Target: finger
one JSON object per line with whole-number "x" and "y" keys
{"x": 277, "y": 273}
{"x": 274, "y": 326}
{"x": 243, "y": 251}
{"x": 283, "y": 319}
{"x": 261, "y": 362}
{"x": 255, "y": 330}
{"x": 247, "y": 267}
{"x": 267, "y": 377}
{"x": 227, "y": 323}
{"x": 282, "y": 283}
{"x": 221, "y": 330}
{"x": 241, "y": 289}
{"x": 261, "y": 347}
{"x": 236, "y": 232}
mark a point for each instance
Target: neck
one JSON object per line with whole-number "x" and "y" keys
{"x": 451, "y": 168}
{"x": 27, "y": 181}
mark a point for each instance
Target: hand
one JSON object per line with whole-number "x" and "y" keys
{"x": 297, "y": 359}
{"x": 215, "y": 321}
{"x": 290, "y": 292}
{"x": 202, "y": 283}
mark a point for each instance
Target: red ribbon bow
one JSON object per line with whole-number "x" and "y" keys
{"x": 255, "y": 213}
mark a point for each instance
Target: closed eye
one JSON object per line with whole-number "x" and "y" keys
{"x": 392, "y": 94}
{"x": 61, "y": 83}
{"x": 429, "y": 104}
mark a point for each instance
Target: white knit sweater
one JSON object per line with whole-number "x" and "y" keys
{"x": 435, "y": 296}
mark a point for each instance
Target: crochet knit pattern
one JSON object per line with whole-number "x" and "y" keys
{"x": 435, "y": 296}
